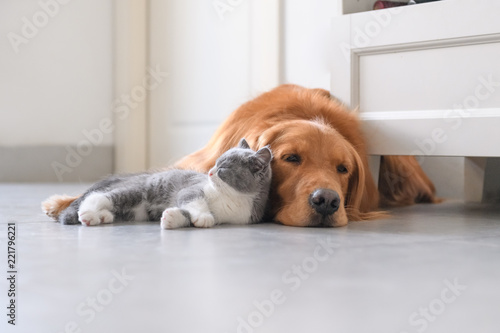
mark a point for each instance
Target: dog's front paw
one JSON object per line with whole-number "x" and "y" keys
{"x": 90, "y": 217}
{"x": 205, "y": 220}
{"x": 173, "y": 218}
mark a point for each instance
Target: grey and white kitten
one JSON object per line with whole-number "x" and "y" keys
{"x": 235, "y": 191}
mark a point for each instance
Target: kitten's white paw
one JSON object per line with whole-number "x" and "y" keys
{"x": 106, "y": 216}
{"x": 173, "y": 218}
{"x": 204, "y": 220}
{"x": 90, "y": 217}
{"x": 95, "y": 209}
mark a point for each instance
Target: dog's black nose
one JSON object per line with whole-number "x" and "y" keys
{"x": 324, "y": 201}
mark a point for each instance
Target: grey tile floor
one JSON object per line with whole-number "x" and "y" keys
{"x": 430, "y": 268}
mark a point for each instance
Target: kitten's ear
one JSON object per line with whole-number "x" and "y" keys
{"x": 243, "y": 144}
{"x": 264, "y": 155}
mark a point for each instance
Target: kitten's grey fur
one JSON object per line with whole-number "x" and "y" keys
{"x": 235, "y": 191}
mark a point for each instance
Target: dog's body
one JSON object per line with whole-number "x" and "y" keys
{"x": 320, "y": 169}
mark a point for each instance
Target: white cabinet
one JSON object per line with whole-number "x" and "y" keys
{"x": 426, "y": 79}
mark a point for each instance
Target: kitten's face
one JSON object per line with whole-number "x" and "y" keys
{"x": 243, "y": 169}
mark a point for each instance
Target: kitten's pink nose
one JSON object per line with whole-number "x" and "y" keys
{"x": 211, "y": 172}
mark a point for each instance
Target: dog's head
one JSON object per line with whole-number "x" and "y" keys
{"x": 320, "y": 167}
{"x": 318, "y": 177}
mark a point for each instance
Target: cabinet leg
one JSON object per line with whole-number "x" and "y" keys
{"x": 374, "y": 164}
{"x": 474, "y": 177}
{"x": 491, "y": 188}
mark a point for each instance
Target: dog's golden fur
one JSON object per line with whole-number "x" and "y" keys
{"x": 328, "y": 152}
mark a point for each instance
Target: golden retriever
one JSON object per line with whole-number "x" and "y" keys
{"x": 320, "y": 168}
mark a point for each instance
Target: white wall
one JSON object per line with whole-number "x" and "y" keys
{"x": 208, "y": 53}
{"x": 306, "y": 41}
{"x": 59, "y": 82}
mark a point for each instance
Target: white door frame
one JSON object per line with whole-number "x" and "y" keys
{"x": 131, "y": 99}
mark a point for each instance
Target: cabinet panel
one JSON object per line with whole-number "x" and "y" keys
{"x": 431, "y": 79}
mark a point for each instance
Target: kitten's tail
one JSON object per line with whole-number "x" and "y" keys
{"x": 69, "y": 215}
{"x": 54, "y": 205}
{"x": 62, "y": 208}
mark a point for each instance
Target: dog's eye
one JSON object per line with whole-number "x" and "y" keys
{"x": 341, "y": 169}
{"x": 292, "y": 158}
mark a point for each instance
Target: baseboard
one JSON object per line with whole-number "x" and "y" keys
{"x": 55, "y": 163}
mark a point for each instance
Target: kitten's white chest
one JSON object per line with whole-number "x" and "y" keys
{"x": 229, "y": 205}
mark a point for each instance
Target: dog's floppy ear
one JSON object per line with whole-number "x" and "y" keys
{"x": 356, "y": 188}
{"x": 356, "y": 193}
{"x": 270, "y": 135}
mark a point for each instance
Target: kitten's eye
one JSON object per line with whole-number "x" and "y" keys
{"x": 292, "y": 158}
{"x": 221, "y": 171}
{"x": 341, "y": 169}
